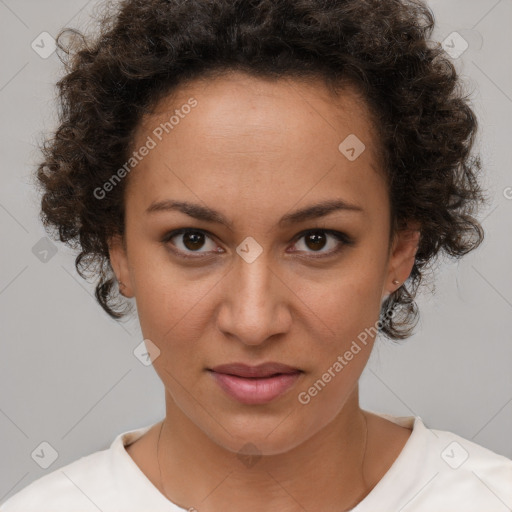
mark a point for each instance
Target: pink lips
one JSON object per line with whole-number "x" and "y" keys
{"x": 255, "y": 384}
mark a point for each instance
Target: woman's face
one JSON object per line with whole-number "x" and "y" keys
{"x": 257, "y": 287}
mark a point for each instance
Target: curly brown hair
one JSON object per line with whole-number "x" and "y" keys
{"x": 146, "y": 48}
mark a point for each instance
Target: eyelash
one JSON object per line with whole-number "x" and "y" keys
{"x": 341, "y": 237}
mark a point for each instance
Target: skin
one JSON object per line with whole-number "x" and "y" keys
{"x": 255, "y": 150}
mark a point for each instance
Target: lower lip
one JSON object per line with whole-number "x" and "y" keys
{"x": 255, "y": 391}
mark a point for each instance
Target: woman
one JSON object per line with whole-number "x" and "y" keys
{"x": 269, "y": 181}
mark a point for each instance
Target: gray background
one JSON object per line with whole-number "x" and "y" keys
{"x": 68, "y": 375}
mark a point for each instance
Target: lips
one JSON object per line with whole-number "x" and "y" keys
{"x": 252, "y": 385}
{"x": 260, "y": 371}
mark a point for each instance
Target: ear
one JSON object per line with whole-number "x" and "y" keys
{"x": 119, "y": 262}
{"x": 401, "y": 258}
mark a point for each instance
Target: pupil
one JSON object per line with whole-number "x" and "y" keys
{"x": 193, "y": 240}
{"x": 318, "y": 240}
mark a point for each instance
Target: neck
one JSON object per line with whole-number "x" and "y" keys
{"x": 326, "y": 472}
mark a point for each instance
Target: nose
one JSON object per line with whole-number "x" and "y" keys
{"x": 254, "y": 302}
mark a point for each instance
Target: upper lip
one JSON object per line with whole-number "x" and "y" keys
{"x": 261, "y": 370}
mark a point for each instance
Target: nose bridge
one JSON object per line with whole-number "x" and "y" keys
{"x": 254, "y": 282}
{"x": 252, "y": 310}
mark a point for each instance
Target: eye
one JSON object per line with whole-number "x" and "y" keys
{"x": 190, "y": 240}
{"x": 318, "y": 239}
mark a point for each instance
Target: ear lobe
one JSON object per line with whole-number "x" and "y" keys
{"x": 119, "y": 263}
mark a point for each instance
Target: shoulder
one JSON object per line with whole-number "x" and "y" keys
{"x": 457, "y": 474}
{"x": 442, "y": 471}
{"x": 94, "y": 482}
{"x": 68, "y": 486}
{"x": 472, "y": 470}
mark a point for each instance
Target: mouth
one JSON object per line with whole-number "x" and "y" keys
{"x": 263, "y": 370}
{"x": 255, "y": 384}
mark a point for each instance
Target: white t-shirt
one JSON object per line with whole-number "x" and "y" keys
{"x": 436, "y": 471}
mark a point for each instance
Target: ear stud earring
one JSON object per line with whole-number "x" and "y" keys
{"x": 395, "y": 281}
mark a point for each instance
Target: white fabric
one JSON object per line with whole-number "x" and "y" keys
{"x": 420, "y": 480}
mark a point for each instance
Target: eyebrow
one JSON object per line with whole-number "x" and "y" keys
{"x": 207, "y": 214}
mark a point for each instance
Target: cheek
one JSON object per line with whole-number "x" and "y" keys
{"x": 347, "y": 311}
{"x": 167, "y": 297}
{"x": 344, "y": 303}
{"x": 345, "y": 333}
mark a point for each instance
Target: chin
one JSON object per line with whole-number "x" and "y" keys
{"x": 252, "y": 437}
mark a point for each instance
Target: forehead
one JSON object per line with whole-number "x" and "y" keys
{"x": 237, "y": 100}
{"x": 252, "y": 136}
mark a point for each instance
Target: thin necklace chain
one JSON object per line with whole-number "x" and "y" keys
{"x": 160, "y": 467}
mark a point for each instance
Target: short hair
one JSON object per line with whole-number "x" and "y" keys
{"x": 145, "y": 49}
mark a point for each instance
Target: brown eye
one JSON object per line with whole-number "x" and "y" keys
{"x": 189, "y": 241}
{"x": 193, "y": 240}
{"x": 318, "y": 239}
